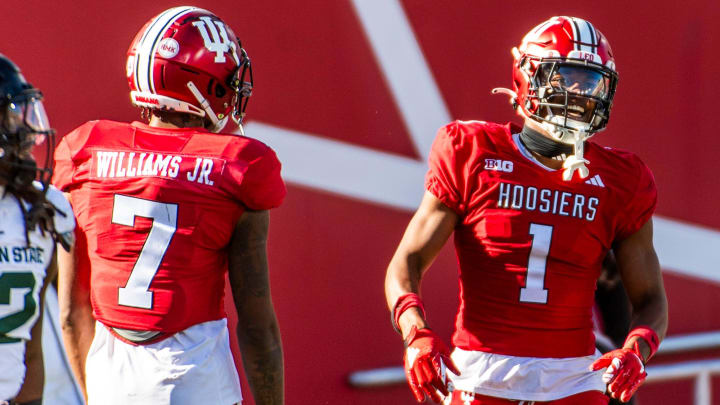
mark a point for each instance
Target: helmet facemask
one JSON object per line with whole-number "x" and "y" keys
{"x": 242, "y": 88}
{"x": 568, "y": 97}
{"x": 571, "y": 100}
{"x": 24, "y": 125}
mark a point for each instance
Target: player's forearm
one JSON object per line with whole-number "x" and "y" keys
{"x": 403, "y": 276}
{"x": 78, "y": 330}
{"x": 262, "y": 355}
{"x": 76, "y": 320}
{"x": 653, "y": 314}
{"x": 258, "y": 333}
{"x": 32, "y": 388}
{"x": 425, "y": 235}
{"x": 640, "y": 270}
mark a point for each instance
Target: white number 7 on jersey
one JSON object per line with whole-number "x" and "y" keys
{"x": 534, "y": 290}
{"x": 136, "y": 292}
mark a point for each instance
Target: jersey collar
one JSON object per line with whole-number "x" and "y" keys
{"x": 527, "y": 154}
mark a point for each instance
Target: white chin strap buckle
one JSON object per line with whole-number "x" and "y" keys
{"x": 571, "y": 164}
{"x": 576, "y": 162}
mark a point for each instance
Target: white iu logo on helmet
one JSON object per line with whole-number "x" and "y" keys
{"x": 217, "y": 41}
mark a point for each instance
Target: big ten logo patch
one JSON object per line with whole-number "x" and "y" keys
{"x": 499, "y": 165}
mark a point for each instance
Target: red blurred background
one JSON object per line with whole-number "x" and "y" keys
{"x": 316, "y": 74}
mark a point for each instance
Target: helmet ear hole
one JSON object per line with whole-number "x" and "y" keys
{"x": 220, "y": 91}
{"x": 216, "y": 89}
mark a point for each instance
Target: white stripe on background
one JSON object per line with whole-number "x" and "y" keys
{"x": 407, "y": 74}
{"x": 687, "y": 248}
{"x": 345, "y": 169}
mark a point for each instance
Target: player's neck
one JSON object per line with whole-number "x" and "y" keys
{"x": 175, "y": 121}
{"x": 158, "y": 123}
{"x": 542, "y": 146}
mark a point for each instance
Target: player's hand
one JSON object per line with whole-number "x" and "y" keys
{"x": 625, "y": 372}
{"x": 426, "y": 360}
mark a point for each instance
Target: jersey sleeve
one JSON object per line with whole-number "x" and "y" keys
{"x": 642, "y": 203}
{"x": 64, "y": 219}
{"x": 70, "y": 155}
{"x": 447, "y": 176}
{"x": 261, "y": 186}
{"x": 64, "y": 168}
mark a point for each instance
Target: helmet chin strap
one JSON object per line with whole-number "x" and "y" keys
{"x": 544, "y": 145}
{"x": 575, "y": 137}
{"x": 217, "y": 125}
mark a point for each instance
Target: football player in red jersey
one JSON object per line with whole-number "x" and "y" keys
{"x": 35, "y": 218}
{"x": 164, "y": 211}
{"x": 534, "y": 212}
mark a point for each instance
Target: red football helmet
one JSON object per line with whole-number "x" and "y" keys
{"x": 564, "y": 74}
{"x": 564, "y": 78}
{"x": 188, "y": 60}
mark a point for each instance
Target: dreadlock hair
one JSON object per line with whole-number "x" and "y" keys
{"x": 19, "y": 184}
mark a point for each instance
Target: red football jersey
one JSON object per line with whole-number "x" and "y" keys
{"x": 530, "y": 246}
{"x": 156, "y": 209}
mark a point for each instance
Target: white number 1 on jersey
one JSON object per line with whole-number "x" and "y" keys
{"x": 534, "y": 290}
{"x": 136, "y": 292}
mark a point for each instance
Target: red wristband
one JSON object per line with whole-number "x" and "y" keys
{"x": 404, "y": 303}
{"x": 649, "y": 336}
